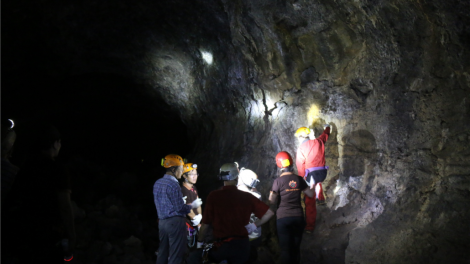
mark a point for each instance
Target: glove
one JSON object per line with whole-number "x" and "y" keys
{"x": 196, "y": 220}
{"x": 253, "y": 235}
{"x": 184, "y": 199}
{"x": 325, "y": 126}
{"x": 251, "y": 227}
{"x": 200, "y": 244}
{"x": 196, "y": 203}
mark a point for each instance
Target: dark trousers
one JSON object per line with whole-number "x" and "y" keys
{"x": 172, "y": 240}
{"x": 236, "y": 251}
{"x": 254, "y": 244}
{"x": 289, "y": 232}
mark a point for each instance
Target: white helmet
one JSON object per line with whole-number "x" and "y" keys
{"x": 248, "y": 177}
{"x": 228, "y": 172}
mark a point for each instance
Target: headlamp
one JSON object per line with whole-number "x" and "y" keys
{"x": 194, "y": 166}
{"x": 224, "y": 175}
{"x": 12, "y": 124}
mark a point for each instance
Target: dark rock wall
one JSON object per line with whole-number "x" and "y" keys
{"x": 391, "y": 77}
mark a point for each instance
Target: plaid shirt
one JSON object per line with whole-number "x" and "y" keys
{"x": 168, "y": 198}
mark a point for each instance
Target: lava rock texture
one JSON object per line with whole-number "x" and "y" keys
{"x": 391, "y": 77}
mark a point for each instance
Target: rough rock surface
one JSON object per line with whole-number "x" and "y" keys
{"x": 391, "y": 77}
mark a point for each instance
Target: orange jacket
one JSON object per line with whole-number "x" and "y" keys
{"x": 311, "y": 153}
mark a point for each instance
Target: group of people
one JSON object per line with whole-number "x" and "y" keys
{"x": 229, "y": 229}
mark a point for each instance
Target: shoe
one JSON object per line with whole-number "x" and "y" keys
{"x": 309, "y": 231}
{"x": 321, "y": 202}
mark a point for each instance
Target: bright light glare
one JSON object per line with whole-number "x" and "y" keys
{"x": 336, "y": 189}
{"x": 12, "y": 123}
{"x": 313, "y": 114}
{"x": 207, "y": 56}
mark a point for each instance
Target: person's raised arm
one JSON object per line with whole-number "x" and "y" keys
{"x": 326, "y": 133}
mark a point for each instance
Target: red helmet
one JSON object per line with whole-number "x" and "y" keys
{"x": 284, "y": 160}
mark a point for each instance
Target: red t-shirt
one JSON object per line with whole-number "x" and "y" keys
{"x": 288, "y": 188}
{"x": 228, "y": 211}
{"x": 311, "y": 153}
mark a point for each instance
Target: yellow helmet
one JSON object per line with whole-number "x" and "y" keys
{"x": 187, "y": 167}
{"x": 302, "y": 132}
{"x": 171, "y": 160}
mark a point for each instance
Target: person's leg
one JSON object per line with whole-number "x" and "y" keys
{"x": 164, "y": 247}
{"x": 319, "y": 191}
{"x": 240, "y": 252}
{"x": 254, "y": 244}
{"x": 310, "y": 213}
{"x": 283, "y": 234}
{"x": 235, "y": 252}
{"x": 177, "y": 240}
{"x": 195, "y": 257}
{"x": 297, "y": 231}
{"x": 220, "y": 254}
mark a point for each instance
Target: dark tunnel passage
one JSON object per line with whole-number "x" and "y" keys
{"x": 114, "y": 135}
{"x": 105, "y": 119}
{"x": 216, "y": 81}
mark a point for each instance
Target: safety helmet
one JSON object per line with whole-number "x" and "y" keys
{"x": 171, "y": 160}
{"x": 229, "y": 171}
{"x": 187, "y": 167}
{"x": 284, "y": 160}
{"x": 248, "y": 177}
{"x": 302, "y": 132}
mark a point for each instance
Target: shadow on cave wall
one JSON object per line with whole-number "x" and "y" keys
{"x": 359, "y": 158}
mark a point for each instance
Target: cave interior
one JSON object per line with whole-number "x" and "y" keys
{"x": 216, "y": 81}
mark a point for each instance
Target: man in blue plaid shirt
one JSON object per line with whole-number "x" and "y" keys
{"x": 172, "y": 211}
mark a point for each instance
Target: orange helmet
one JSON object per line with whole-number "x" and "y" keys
{"x": 171, "y": 160}
{"x": 302, "y": 132}
{"x": 187, "y": 167}
{"x": 284, "y": 160}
